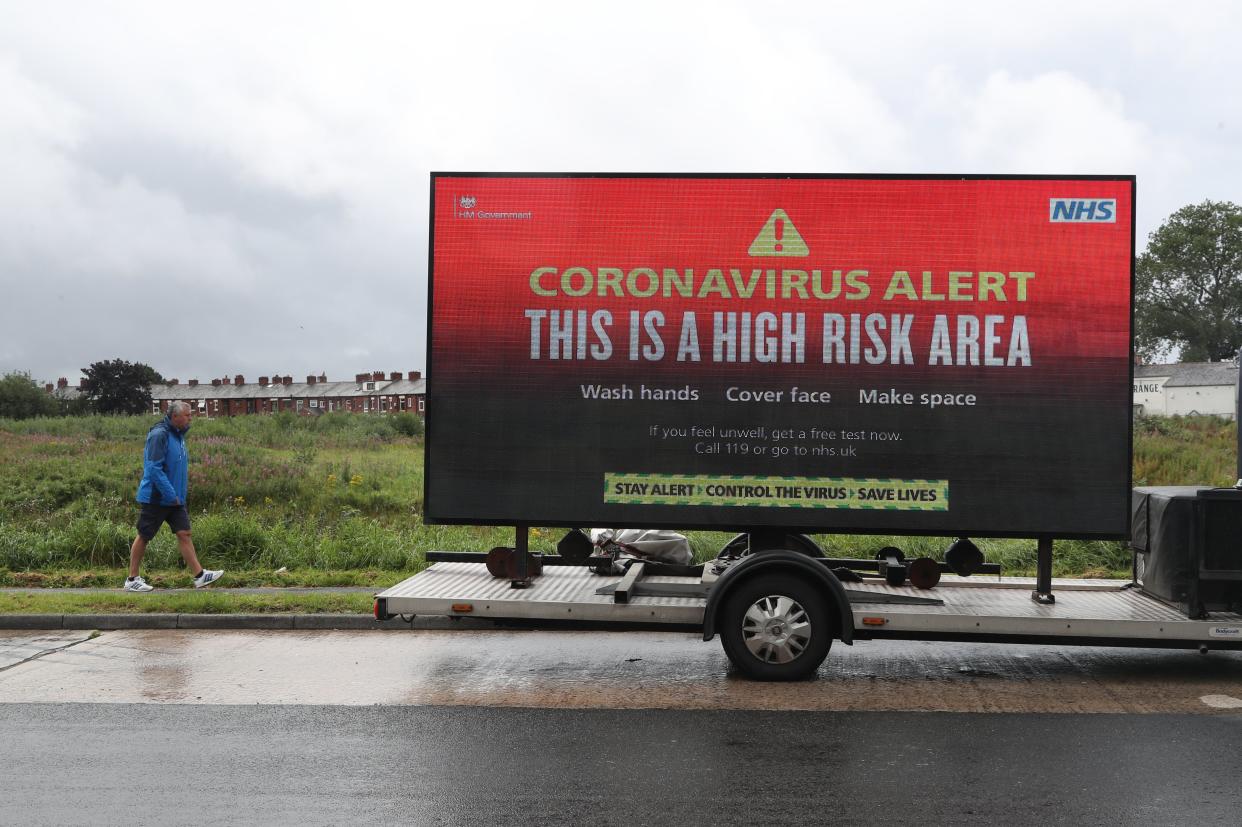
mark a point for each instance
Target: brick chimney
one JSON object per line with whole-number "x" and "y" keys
{"x": 263, "y": 381}
{"x": 239, "y": 379}
{"x": 395, "y": 376}
{"x": 361, "y": 377}
{"x": 377, "y": 376}
{"x": 193, "y": 383}
{"x": 323, "y": 377}
{"x": 415, "y": 375}
{"x": 288, "y": 380}
{"x": 82, "y": 383}
{"x": 226, "y": 381}
{"x": 48, "y": 387}
{"x": 62, "y": 382}
{"x": 215, "y": 383}
{"x": 174, "y": 381}
{"x": 310, "y": 380}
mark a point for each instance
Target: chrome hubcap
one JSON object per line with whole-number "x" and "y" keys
{"x": 776, "y": 629}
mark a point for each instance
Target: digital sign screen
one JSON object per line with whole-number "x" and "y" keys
{"x": 896, "y": 354}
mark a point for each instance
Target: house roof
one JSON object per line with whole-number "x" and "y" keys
{"x": 1153, "y": 371}
{"x": 1198, "y": 374}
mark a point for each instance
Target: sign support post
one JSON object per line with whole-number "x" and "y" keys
{"x": 1043, "y": 573}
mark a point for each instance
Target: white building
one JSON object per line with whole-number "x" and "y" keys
{"x": 1149, "y": 388}
{"x": 1186, "y": 389}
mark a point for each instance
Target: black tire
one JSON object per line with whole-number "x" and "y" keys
{"x": 776, "y": 627}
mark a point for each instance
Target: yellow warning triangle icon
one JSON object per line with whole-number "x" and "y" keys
{"x": 779, "y": 237}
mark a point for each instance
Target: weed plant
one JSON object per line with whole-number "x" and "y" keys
{"x": 1185, "y": 450}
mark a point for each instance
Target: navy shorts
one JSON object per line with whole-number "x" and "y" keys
{"x": 153, "y": 516}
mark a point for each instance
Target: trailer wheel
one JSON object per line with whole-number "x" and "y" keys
{"x": 776, "y": 627}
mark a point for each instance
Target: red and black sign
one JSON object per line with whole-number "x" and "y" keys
{"x": 872, "y": 354}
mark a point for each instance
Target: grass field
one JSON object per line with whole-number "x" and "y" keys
{"x": 210, "y": 602}
{"x": 337, "y": 500}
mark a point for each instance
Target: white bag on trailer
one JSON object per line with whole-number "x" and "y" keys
{"x": 646, "y": 544}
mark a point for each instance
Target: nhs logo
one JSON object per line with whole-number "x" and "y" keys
{"x": 1082, "y": 210}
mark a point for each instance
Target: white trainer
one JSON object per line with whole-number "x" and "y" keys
{"x": 207, "y": 578}
{"x": 137, "y": 585}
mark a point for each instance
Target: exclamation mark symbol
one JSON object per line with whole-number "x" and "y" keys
{"x": 778, "y": 232}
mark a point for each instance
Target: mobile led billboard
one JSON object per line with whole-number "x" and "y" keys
{"x": 905, "y": 354}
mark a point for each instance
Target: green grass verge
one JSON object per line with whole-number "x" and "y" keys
{"x": 111, "y": 578}
{"x": 213, "y": 602}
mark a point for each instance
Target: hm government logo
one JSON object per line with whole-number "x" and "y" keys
{"x": 466, "y": 207}
{"x": 779, "y": 237}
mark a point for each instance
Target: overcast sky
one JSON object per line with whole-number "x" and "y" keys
{"x": 218, "y": 188}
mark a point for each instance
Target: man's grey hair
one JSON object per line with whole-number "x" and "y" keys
{"x": 177, "y": 406}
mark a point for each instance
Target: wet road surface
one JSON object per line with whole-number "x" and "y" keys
{"x": 582, "y": 669}
{"x": 310, "y": 765}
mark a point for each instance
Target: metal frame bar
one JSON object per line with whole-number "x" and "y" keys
{"x": 480, "y": 557}
{"x": 621, "y": 593}
{"x": 1043, "y": 573}
{"x": 521, "y": 547}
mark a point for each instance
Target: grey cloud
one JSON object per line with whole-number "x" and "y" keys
{"x": 203, "y": 181}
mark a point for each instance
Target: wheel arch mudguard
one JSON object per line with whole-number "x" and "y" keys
{"x": 790, "y": 562}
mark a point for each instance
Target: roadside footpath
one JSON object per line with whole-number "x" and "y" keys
{"x": 272, "y": 620}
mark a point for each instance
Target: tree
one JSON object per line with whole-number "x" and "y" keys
{"x": 120, "y": 387}
{"x": 1188, "y": 285}
{"x": 22, "y": 398}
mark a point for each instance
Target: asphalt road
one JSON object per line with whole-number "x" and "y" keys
{"x": 524, "y": 727}
{"x": 164, "y": 764}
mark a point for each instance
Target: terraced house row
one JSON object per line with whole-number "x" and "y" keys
{"x": 375, "y": 392}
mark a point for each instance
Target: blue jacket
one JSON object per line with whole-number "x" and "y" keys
{"x": 165, "y": 466}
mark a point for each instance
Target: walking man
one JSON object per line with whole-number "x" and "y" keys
{"x": 162, "y": 495}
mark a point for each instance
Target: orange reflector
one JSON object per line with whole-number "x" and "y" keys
{"x": 463, "y": 607}
{"x": 376, "y": 610}
{"x": 874, "y": 621}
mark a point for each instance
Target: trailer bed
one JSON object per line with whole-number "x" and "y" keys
{"x": 992, "y": 609}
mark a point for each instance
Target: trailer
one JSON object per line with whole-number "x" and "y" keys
{"x": 778, "y": 611}
{"x": 783, "y": 356}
